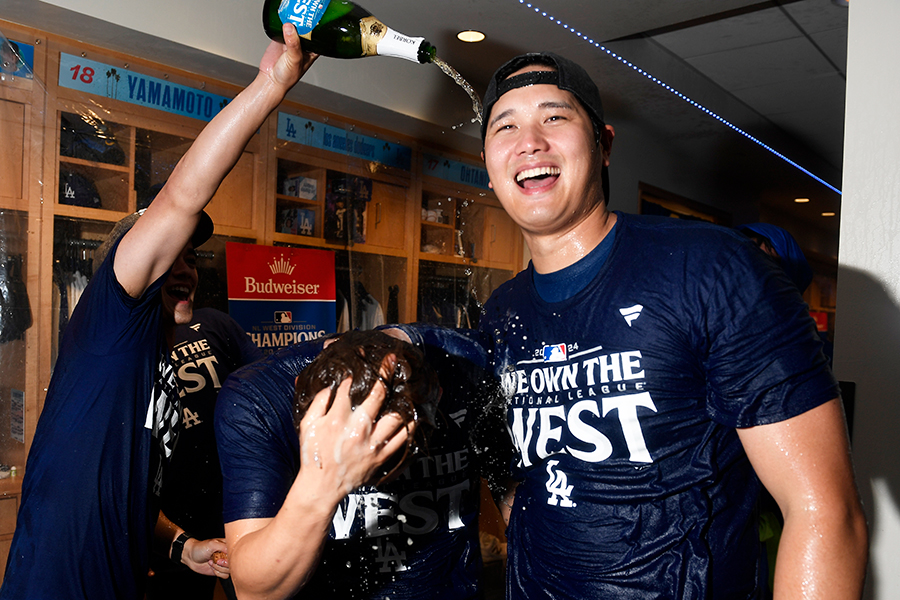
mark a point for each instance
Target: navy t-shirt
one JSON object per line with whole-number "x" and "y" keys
{"x": 414, "y": 538}
{"x": 623, "y": 402}
{"x": 205, "y": 353}
{"x": 89, "y": 497}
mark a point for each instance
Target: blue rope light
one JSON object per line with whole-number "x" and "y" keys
{"x": 679, "y": 94}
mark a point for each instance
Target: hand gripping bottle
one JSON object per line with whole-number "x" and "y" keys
{"x": 342, "y": 29}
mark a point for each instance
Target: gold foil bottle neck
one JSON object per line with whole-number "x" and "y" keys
{"x": 372, "y": 31}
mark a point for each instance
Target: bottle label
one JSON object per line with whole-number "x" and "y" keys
{"x": 396, "y": 44}
{"x": 302, "y": 14}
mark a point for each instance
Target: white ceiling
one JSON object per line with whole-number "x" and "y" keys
{"x": 776, "y": 68}
{"x": 787, "y": 62}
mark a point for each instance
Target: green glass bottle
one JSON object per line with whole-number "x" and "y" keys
{"x": 342, "y": 29}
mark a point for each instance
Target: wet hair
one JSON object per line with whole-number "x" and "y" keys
{"x": 412, "y": 390}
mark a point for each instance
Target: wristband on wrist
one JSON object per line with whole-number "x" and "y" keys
{"x": 178, "y": 547}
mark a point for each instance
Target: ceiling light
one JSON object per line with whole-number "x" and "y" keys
{"x": 470, "y": 35}
{"x": 801, "y": 200}
{"x": 827, "y": 214}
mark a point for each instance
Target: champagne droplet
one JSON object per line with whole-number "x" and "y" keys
{"x": 455, "y": 76}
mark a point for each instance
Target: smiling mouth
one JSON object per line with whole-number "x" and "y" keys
{"x": 530, "y": 178}
{"x": 182, "y": 293}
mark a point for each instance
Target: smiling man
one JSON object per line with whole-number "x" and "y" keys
{"x": 655, "y": 371}
{"x": 90, "y": 493}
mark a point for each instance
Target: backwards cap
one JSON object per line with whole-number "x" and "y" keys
{"x": 568, "y": 76}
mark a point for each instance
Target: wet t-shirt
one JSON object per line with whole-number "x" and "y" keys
{"x": 623, "y": 402}
{"x": 414, "y": 538}
{"x": 90, "y": 493}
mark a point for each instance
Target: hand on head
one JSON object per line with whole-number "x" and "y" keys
{"x": 376, "y": 388}
{"x": 346, "y": 445}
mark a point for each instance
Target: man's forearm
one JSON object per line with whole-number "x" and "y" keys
{"x": 164, "y": 534}
{"x": 822, "y": 554}
{"x": 156, "y": 240}
{"x": 220, "y": 144}
{"x": 276, "y": 560}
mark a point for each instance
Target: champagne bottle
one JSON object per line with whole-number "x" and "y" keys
{"x": 341, "y": 29}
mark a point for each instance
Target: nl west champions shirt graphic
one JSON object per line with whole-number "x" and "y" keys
{"x": 586, "y": 403}
{"x": 435, "y": 493}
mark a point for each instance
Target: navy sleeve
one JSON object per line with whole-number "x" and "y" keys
{"x": 257, "y": 442}
{"x": 126, "y": 321}
{"x": 765, "y": 362}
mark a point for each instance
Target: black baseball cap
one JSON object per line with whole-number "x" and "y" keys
{"x": 567, "y": 75}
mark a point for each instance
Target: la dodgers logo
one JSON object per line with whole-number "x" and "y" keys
{"x": 558, "y": 486}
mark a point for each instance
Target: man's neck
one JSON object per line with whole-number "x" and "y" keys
{"x": 551, "y": 253}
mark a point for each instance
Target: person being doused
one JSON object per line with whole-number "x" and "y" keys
{"x": 369, "y": 358}
{"x": 405, "y": 528}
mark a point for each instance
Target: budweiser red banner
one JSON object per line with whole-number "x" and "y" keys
{"x": 281, "y": 295}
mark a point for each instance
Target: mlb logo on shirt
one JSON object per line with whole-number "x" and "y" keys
{"x": 555, "y": 353}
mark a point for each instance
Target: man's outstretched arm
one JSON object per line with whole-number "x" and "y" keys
{"x": 159, "y": 236}
{"x": 805, "y": 464}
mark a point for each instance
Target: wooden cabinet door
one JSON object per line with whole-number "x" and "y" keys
{"x": 12, "y": 153}
{"x": 499, "y": 236}
{"x": 386, "y": 216}
{"x": 8, "y": 508}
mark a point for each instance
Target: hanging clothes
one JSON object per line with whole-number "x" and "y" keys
{"x": 77, "y": 284}
{"x": 370, "y": 314}
{"x": 15, "y": 308}
{"x": 72, "y": 270}
{"x": 448, "y": 301}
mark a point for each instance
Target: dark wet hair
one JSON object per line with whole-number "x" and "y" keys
{"x": 412, "y": 388}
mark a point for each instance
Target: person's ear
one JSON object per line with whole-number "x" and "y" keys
{"x": 607, "y": 135}
{"x": 490, "y": 185}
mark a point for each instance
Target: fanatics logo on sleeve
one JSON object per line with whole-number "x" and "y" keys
{"x": 631, "y": 313}
{"x": 459, "y": 416}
